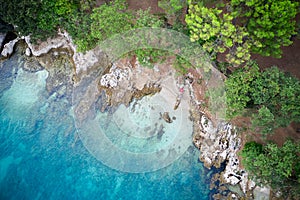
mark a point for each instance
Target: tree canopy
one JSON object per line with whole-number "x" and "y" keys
{"x": 273, "y": 93}
{"x": 278, "y": 167}
{"x": 241, "y": 27}
{"x": 217, "y": 34}
{"x": 271, "y": 22}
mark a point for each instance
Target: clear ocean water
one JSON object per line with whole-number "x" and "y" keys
{"x": 41, "y": 156}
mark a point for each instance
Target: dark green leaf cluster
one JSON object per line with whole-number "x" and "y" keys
{"x": 40, "y": 19}
{"x": 110, "y": 19}
{"x": 278, "y": 167}
{"x": 274, "y": 94}
{"x": 242, "y": 27}
{"x": 270, "y": 22}
{"x": 218, "y": 34}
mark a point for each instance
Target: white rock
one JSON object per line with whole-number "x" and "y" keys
{"x": 28, "y": 52}
{"x": 46, "y": 46}
{"x": 8, "y": 48}
{"x": 114, "y": 76}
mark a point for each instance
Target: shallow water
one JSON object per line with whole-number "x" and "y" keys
{"x": 40, "y": 157}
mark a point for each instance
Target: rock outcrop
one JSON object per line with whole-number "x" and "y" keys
{"x": 218, "y": 144}
{"x": 44, "y": 47}
{"x": 122, "y": 83}
{"x": 8, "y": 48}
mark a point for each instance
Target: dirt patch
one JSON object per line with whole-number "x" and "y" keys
{"x": 144, "y": 5}
{"x": 289, "y": 62}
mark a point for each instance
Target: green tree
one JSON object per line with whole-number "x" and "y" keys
{"x": 148, "y": 56}
{"x": 217, "y": 34}
{"x": 110, "y": 19}
{"x": 275, "y": 166}
{"x": 238, "y": 87}
{"x": 271, "y": 22}
{"x": 40, "y": 19}
{"x": 264, "y": 120}
{"x": 274, "y": 94}
{"x": 246, "y": 26}
{"x": 172, "y": 7}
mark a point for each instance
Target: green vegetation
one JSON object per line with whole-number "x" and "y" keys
{"x": 276, "y": 166}
{"x": 218, "y": 34}
{"x": 172, "y": 7}
{"x": 270, "y": 22}
{"x": 241, "y": 27}
{"x": 109, "y": 19}
{"x": 274, "y": 94}
{"x": 148, "y": 56}
{"x": 41, "y": 19}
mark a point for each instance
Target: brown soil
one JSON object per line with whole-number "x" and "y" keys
{"x": 289, "y": 62}
{"x": 144, "y": 5}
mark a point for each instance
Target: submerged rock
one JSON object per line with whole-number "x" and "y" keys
{"x": 167, "y": 117}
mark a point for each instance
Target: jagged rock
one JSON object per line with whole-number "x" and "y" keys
{"x": 8, "y": 48}
{"x": 219, "y": 143}
{"x": 115, "y": 76}
{"x": 44, "y": 47}
{"x": 177, "y": 103}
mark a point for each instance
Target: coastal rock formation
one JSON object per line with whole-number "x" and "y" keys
{"x": 28, "y": 52}
{"x": 215, "y": 143}
{"x": 8, "y": 48}
{"x": 115, "y": 75}
{"x": 220, "y": 144}
{"x": 122, "y": 83}
{"x": 44, "y": 47}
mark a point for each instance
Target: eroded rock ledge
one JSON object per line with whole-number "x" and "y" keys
{"x": 219, "y": 144}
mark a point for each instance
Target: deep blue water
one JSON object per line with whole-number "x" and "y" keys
{"x": 41, "y": 157}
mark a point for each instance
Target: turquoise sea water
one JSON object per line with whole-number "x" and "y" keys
{"x": 41, "y": 156}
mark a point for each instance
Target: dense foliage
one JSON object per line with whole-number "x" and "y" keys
{"x": 270, "y": 22}
{"x": 274, "y": 94}
{"x": 217, "y": 34}
{"x": 41, "y": 19}
{"x": 276, "y": 166}
{"x": 241, "y": 27}
{"x": 110, "y": 19}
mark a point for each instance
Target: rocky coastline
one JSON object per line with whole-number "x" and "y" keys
{"x": 218, "y": 142}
